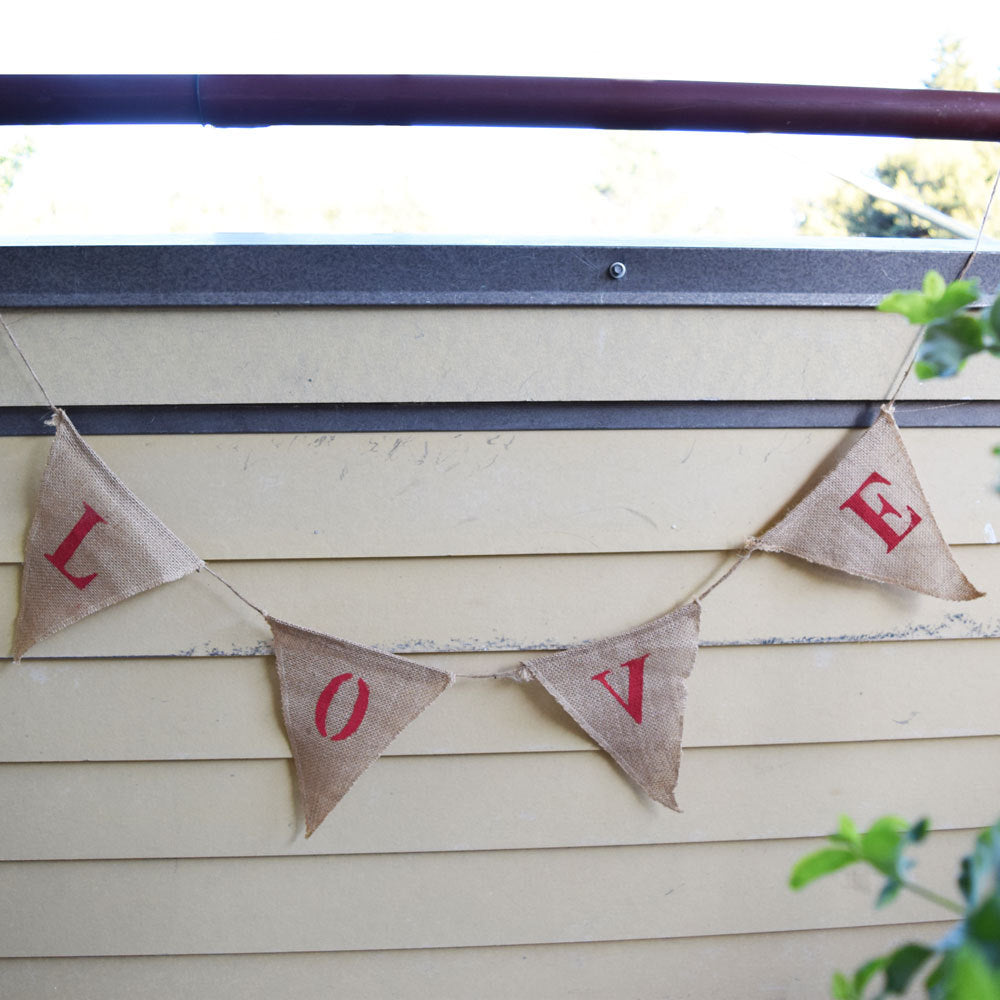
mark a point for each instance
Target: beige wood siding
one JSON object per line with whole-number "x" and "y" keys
{"x": 782, "y": 964}
{"x": 455, "y": 353}
{"x": 150, "y": 837}
{"x": 338, "y": 496}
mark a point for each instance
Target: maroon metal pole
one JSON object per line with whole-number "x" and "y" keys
{"x": 234, "y": 101}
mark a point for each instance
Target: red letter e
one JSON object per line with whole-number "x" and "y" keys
{"x": 876, "y": 521}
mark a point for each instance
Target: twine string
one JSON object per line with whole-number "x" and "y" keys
{"x": 907, "y": 366}
{"x": 27, "y": 364}
{"x": 226, "y": 583}
{"x": 982, "y": 227}
{"x": 520, "y": 673}
{"x": 749, "y": 548}
{"x": 56, "y": 412}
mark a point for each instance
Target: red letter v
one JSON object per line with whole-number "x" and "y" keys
{"x": 634, "y": 704}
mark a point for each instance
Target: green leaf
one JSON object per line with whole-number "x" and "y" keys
{"x": 913, "y": 305}
{"x": 957, "y": 295}
{"x": 982, "y": 928}
{"x": 970, "y": 976}
{"x": 919, "y": 830}
{"x": 936, "y": 300}
{"x": 948, "y": 343}
{"x": 993, "y": 317}
{"x": 934, "y": 286}
{"x": 847, "y": 832}
{"x": 939, "y": 359}
{"x": 820, "y": 863}
{"x": 889, "y": 892}
{"x": 904, "y": 963}
{"x": 865, "y": 973}
{"x": 882, "y": 844}
{"x": 938, "y": 983}
{"x": 989, "y": 840}
{"x": 970, "y": 874}
{"x": 841, "y": 989}
{"x": 984, "y": 861}
{"x": 966, "y": 330}
{"x": 974, "y": 873}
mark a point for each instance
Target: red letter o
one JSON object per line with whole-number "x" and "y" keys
{"x": 357, "y": 713}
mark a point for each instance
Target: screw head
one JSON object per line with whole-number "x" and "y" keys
{"x": 617, "y": 270}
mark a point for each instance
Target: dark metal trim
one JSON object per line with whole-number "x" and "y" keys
{"x": 409, "y": 418}
{"x": 230, "y": 100}
{"x": 309, "y": 274}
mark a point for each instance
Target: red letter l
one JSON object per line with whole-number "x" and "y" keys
{"x": 71, "y": 543}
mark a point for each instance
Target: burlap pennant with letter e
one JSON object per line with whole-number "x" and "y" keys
{"x": 343, "y": 704}
{"x": 628, "y": 692}
{"x": 869, "y": 517}
{"x": 91, "y": 543}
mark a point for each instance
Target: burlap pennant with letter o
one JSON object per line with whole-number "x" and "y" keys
{"x": 869, "y": 517}
{"x": 343, "y": 704}
{"x": 91, "y": 543}
{"x": 628, "y": 692}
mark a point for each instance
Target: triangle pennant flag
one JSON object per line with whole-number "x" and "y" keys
{"x": 91, "y": 544}
{"x": 628, "y": 693}
{"x": 869, "y": 517}
{"x": 343, "y": 704}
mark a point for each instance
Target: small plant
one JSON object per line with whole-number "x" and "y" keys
{"x": 953, "y": 332}
{"x": 965, "y": 964}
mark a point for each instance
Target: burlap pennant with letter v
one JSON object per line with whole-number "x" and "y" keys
{"x": 343, "y": 704}
{"x": 628, "y": 693}
{"x": 91, "y": 543}
{"x": 869, "y": 517}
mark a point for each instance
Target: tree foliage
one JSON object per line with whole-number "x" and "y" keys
{"x": 11, "y": 162}
{"x": 952, "y": 177}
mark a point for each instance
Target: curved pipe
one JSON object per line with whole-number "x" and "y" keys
{"x": 241, "y": 101}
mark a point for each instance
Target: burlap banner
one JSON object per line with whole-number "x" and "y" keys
{"x": 92, "y": 543}
{"x": 343, "y": 704}
{"x": 869, "y": 517}
{"x": 628, "y": 692}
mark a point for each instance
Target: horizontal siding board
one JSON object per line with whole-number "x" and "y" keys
{"x": 377, "y": 495}
{"x": 241, "y": 905}
{"x": 200, "y": 809}
{"x": 518, "y": 603}
{"x": 779, "y": 966}
{"x": 458, "y": 354}
{"x": 226, "y": 707}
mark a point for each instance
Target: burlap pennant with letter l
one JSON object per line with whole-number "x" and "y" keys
{"x": 343, "y": 704}
{"x": 91, "y": 543}
{"x": 628, "y": 692}
{"x": 869, "y": 517}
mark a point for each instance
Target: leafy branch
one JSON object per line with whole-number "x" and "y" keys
{"x": 953, "y": 332}
{"x": 966, "y": 962}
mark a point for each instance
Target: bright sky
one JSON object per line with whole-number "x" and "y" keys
{"x": 471, "y": 181}
{"x": 779, "y": 41}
